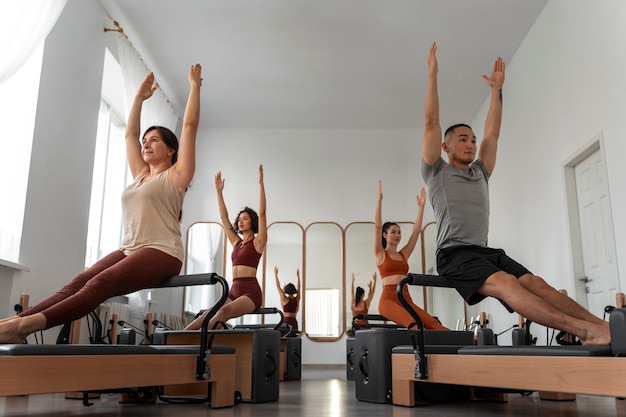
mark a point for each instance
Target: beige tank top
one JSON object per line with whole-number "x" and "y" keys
{"x": 151, "y": 212}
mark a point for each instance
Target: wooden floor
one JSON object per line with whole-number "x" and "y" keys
{"x": 323, "y": 391}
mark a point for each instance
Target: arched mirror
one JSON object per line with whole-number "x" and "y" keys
{"x": 323, "y": 282}
{"x": 359, "y": 243}
{"x": 444, "y": 303}
{"x": 205, "y": 254}
{"x": 360, "y": 262}
{"x": 285, "y": 250}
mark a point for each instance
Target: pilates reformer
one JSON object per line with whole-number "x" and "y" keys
{"x": 87, "y": 368}
{"x": 290, "y": 344}
{"x": 591, "y": 370}
{"x": 257, "y": 368}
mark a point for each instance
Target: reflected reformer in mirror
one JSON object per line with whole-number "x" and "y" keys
{"x": 323, "y": 302}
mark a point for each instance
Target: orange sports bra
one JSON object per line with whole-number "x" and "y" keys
{"x": 393, "y": 267}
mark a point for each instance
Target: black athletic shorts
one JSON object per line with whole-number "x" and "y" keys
{"x": 468, "y": 267}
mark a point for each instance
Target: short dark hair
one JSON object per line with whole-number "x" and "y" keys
{"x": 254, "y": 218}
{"x": 168, "y": 137}
{"x": 452, "y": 128}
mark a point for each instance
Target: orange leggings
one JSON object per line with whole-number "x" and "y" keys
{"x": 390, "y": 307}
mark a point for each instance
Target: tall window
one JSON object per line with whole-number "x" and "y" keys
{"x": 110, "y": 172}
{"x": 18, "y": 107}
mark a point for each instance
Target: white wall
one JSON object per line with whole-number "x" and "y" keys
{"x": 57, "y": 202}
{"x": 563, "y": 86}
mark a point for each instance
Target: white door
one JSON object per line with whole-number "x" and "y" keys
{"x": 596, "y": 232}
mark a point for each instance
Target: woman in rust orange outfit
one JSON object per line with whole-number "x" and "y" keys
{"x": 393, "y": 265}
{"x": 360, "y": 304}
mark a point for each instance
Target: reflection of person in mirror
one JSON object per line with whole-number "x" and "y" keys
{"x": 152, "y": 248}
{"x": 360, "y": 304}
{"x": 459, "y": 194}
{"x": 289, "y": 299}
{"x": 248, "y": 235}
{"x": 393, "y": 265}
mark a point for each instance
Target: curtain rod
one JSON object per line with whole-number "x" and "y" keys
{"x": 120, "y": 30}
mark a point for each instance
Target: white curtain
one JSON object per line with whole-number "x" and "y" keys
{"x": 155, "y": 111}
{"x": 25, "y": 25}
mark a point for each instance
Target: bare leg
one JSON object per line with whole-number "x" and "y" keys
{"x": 16, "y": 331}
{"x": 507, "y": 288}
{"x": 567, "y": 305}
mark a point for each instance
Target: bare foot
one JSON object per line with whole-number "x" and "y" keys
{"x": 9, "y": 332}
{"x": 599, "y": 335}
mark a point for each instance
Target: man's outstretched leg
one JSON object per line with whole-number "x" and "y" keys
{"x": 507, "y": 288}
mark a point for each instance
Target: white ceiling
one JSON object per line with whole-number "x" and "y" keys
{"x": 325, "y": 64}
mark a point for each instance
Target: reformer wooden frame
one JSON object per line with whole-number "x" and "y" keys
{"x": 591, "y": 375}
{"x": 605, "y": 376}
{"x": 40, "y": 374}
{"x": 25, "y": 375}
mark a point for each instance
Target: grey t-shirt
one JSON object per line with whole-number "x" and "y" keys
{"x": 460, "y": 199}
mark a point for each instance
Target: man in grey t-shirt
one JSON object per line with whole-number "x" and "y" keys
{"x": 459, "y": 193}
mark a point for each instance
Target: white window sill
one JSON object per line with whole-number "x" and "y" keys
{"x": 13, "y": 265}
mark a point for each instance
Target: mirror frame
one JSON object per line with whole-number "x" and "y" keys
{"x": 302, "y": 270}
{"x": 342, "y": 306}
{"x": 185, "y": 271}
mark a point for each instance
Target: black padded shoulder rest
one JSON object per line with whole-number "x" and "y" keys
{"x": 188, "y": 280}
{"x": 520, "y": 350}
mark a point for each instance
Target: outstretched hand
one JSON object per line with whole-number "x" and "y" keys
{"x": 433, "y": 66}
{"x": 260, "y": 174}
{"x": 497, "y": 75}
{"x": 421, "y": 199}
{"x": 380, "y": 190}
{"x": 219, "y": 181}
{"x": 195, "y": 75}
{"x": 147, "y": 87}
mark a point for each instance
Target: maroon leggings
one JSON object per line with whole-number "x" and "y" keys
{"x": 248, "y": 286}
{"x": 115, "y": 274}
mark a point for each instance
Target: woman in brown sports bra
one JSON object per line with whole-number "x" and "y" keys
{"x": 393, "y": 265}
{"x": 245, "y": 293}
{"x": 289, "y": 299}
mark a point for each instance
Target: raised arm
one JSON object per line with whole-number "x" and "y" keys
{"x": 261, "y": 237}
{"x": 182, "y": 171}
{"x": 298, "y": 289}
{"x": 379, "y": 251}
{"x": 372, "y": 288}
{"x": 232, "y": 236}
{"x": 133, "y": 126}
{"x": 352, "y": 290}
{"x": 489, "y": 144}
{"x": 407, "y": 250}
{"x": 431, "y": 144}
{"x": 281, "y": 292}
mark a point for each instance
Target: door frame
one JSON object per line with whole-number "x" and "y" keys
{"x": 594, "y": 144}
